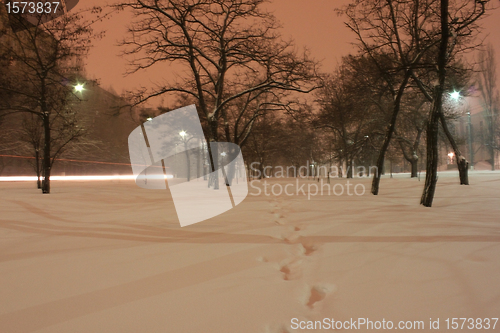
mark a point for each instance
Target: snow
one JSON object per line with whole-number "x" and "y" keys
{"x": 108, "y": 256}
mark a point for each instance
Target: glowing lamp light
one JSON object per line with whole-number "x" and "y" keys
{"x": 79, "y": 87}
{"x": 149, "y": 119}
{"x": 451, "y": 155}
{"x": 183, "y": 133}
{"x": 73, "y": 178}
{"x": 455, "y": 95}
{"x": 223, "y": 153}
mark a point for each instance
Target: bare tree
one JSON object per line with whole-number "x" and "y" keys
{"x": 231, "y": 55}
{"x": 460, "y": 33}
{"x": 32, "y": 135}
{"x": 410, "y": 34}
{"x": 348, "y": 111}
{"x": 395, "y": 35}
{"x": 433, "y": 124}
{"x": 263, "y": 143}
{"x": 487, "y": 80}
{"x": 44, "y": 59}
{"x": 455, "y": 34}
{"x": 411, "y": 126}
{"x": 297, "y": 142}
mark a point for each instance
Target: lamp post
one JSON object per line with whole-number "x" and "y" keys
{"x": 456, "y": 95}
{"x": 188, "y": 162}
{"x": 471, "y": 152}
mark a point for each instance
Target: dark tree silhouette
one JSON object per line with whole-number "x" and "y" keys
{"x": 235, "y": 64}
{"x": 43, "y": 61}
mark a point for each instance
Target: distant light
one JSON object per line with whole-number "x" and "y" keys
{"x": 183, "y": 133}
{"x": 223, "y": 153}
{"x": 455, "y": 95}
{"x": 149, "y": 119}
{"x": 79, "y": 87}
{"x": 450, "y": 155}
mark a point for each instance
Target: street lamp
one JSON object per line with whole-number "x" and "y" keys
{"x": 79, "y": 87}
{"x": 455, "y": 95}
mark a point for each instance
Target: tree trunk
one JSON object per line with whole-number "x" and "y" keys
{"x": 198, "y": 161}
{"x": 436, "y": 113}
{"x": 462, "y": 163}
{"x": 432, "y": 152}
{"x": 188, "y": 161}
{"x": 37, "y": 166}
{"x": 213, "y": 155}
{"x": 46, "y": 155}
{"x": 329, "y": 170}
{"x": 349, "y": 168}
{"x": 214, "y": 163}
{"x": 388, "y": 135}
{"x": 413, "y": 159}
{"x": 414, "y": 167}
{"x": 492, "y": 154}
{"x": 463, "y": 170}
{"x": 231, "y": 169}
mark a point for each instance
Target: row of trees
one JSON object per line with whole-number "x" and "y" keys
{"x": 250, "y": 85}
{"x": 240, "y": 71}
{"x": 410, "y": 55}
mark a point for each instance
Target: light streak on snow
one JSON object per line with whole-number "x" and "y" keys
{"x": 70, "y": 178}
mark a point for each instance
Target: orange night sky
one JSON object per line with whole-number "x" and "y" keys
{"x": 312, "y": 24}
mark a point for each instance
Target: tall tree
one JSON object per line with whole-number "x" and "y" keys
{"x": 348, "y": 110}
{"x": 455, "y": 34}
{"x": 461, "y": 31}
{"x": 43, "y": 61}
{"x": 410, "y": 33}
{"x": 395, "y": 35}
{"x": 230, "y": 54}
{"x": 411, "y": 127}
{"x": 32, "y": 135}
{"x": 433, "y": 123}
{"x": 487, "y": 80}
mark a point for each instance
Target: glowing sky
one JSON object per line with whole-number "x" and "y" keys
{"x": 311, "y": 23}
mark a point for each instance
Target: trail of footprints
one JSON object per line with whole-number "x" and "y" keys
{"x": 295, "y": 265}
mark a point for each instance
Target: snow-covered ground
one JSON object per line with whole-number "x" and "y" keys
{"x": 108, "y": 256}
